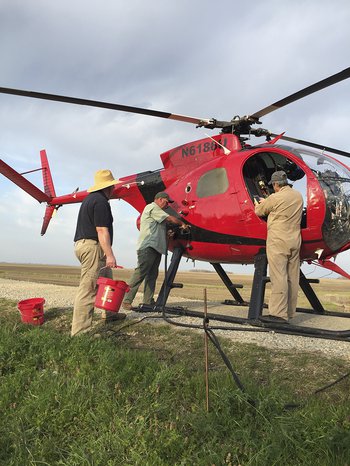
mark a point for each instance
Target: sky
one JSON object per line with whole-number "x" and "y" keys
{"x": 192, "y": 57}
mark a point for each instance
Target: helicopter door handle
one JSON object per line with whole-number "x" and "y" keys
{"x": 185, "y": 202}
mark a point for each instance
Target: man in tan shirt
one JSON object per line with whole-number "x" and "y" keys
{"x": 283, "y": 209}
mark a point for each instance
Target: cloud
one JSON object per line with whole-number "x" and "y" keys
{"x": 193, "y": 58}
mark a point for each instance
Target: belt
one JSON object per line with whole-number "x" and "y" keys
{"x": 88, "y": 241}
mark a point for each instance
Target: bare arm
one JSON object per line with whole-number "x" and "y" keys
{"x": 105, "y": 242}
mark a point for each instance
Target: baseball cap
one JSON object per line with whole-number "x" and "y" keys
{"x": 163, "y": 195}
{"x": 278, "y": 176}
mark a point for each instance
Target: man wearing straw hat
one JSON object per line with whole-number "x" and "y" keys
{"x": 93, "y": 247}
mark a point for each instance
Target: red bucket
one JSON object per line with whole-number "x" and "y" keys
{"x": 32, "y": 311}
{"x": 110, "y": 294}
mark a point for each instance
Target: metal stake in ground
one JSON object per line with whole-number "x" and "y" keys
{"x": 205, "y": 326}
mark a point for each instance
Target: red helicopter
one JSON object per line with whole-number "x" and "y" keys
{"x": 214, "y": 181}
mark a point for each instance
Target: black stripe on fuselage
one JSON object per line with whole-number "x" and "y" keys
{"x": 152, "y": 184}
{"x": 208, "y": 236}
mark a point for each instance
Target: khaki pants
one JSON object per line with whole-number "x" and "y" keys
{"x": 148, "y": 261}
{"x": 284, "y": 271}
{"x": 92, "y": 259}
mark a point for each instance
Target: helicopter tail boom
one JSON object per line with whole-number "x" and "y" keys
{"x": 23, "y": 183}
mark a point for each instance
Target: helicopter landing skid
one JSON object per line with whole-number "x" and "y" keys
{"x": 248, "y": 324}
{"x": 256, "y": 303}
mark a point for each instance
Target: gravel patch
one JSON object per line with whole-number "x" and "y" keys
{"x": 63, "y": 296}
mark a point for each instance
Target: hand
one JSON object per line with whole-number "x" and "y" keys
{"x": 185, "y": 227}
{"x": 111, "y": 261}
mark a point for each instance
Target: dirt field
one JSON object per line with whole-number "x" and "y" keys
{"x": 333, "y": 293}
{"x": 57, "y": 284}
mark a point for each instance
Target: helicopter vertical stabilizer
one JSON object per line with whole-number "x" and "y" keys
{"x": 49, "y": 213}
{"x": 47, "y": 178}
{"x": 49, "y": 191}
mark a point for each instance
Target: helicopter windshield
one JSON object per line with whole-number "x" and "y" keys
{"x": 334, "y": 179}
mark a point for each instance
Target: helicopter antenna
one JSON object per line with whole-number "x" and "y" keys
{"x": 226, "y": 151}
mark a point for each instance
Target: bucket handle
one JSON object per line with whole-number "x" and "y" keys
{"x": 116, "y": 267}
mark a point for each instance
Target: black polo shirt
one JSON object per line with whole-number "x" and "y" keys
{"x": 95, "y": 211}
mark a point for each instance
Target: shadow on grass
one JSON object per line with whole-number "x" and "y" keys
{"x": 57, "y": 312}
{"x": 59, "y": 318}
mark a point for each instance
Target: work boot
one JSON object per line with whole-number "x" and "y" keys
{"x": 273, "y": 319}
{"x": 113, "y": 316}
{"x": 151, "y": 304}
{"x": 127, "y": 306}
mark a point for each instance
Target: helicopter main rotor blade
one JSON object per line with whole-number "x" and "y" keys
{"x": 96, "y": 103}
{"x": 312, "y": 144}
{"x": 345, "y": 74}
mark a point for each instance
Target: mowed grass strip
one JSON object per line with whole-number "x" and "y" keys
{"x": 136, "y": 396}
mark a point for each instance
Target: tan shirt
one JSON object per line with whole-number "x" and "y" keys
{"x": 284, "y": 210}
{"x": 153, "y": 228}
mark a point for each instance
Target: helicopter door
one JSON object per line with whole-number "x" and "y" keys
{"x": 207, "y": 195}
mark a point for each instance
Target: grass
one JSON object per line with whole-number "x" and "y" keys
{"x": 136, "y": 396}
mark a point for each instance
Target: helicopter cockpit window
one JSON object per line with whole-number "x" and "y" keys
{"x": 334, "y": 179}
{"x": 258, "y": 169}
{"x": 212, "y": 182}
{"x": 257, "y": 173}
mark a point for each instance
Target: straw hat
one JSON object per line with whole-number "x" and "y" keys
{"x": 103, "y": 179}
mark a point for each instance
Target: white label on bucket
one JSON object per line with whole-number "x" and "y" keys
{"x": 107, "y": 295}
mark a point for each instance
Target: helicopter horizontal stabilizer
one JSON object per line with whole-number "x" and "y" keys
{"x": 23, "y": 183}
{"x": 327, "y": 264}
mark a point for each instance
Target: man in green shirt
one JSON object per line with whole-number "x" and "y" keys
{"x": 152, "y": 243}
